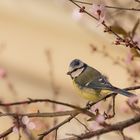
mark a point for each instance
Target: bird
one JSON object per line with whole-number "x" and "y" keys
{"x": 90, "y": 83}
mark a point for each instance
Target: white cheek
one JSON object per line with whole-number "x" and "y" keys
{"x": 77, "y": 72}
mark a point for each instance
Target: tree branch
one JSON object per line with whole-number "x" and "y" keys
{"x": 41, "y": 136}
{"x": 46, "y": 114}
{"x": 129, "y": 43}
{"x": 114, "y": 127}
{"x": 110, "y": 7}
{"x": 31, "y": 101}
{"x": 72, "y": 113}
{"x": 6, "y": 133}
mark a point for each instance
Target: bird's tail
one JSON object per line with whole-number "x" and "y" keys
{"x": 123, "y": 92}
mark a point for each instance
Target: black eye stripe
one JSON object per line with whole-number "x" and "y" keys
{"x": 77, "y": 69}
{"x": 84, "y": 66}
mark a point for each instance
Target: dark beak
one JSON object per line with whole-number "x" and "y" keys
{"x": 68, "y": 73}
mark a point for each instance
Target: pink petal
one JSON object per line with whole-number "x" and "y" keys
{"x": 31, "y": 125}
{"x": 137, "y": 40}
{"x": 76, "y": 14}
{"x": 25, "y": 120}
{"x": 15, "y": 130}
{"x": 129, "y": 57}
{"x": 2, "y": 73}
{"x": 133, "y": 100}
{"x": 95, "y": 126}
{"x": 98, "y": 11}
{"x": 124, "y": 108}
{"x": 95, "y": 107}
{"x": 103, "y": 10}
{"x": 100, "y": 119}
{"x": 94, "y": 9}
{"x": 101, "y": 20}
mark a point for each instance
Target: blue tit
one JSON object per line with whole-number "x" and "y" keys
{"x": 91, "y": 84}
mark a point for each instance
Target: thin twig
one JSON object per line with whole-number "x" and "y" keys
{"x": 132, "y": 88}
{"x": 107, "y": 28}
{"x": 31, "y": 101}
{"x": 19, "y": 135}
{"x": 114, "y": 127}
{"x": 41, "y": 136}
{"x": 82, "y": 124}
{"x": 123, "y": 136}
{"x": 53, "y": 86}
{"x": 6, "y": 133}
{"x": 106, "y": 54}
{"x": 113, "y": 105}
{"x": 110, "y": 7}
{"x": 46, "y": 114}
{"x": 56, "y": 131}
{"x": 137, "y": 1}
{"x": 73, "y": 113}
{"x": 110, "y": 107}
{"x": 50, "y": 114}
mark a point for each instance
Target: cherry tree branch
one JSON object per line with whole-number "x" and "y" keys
{"x": 124, "y": 40}
{"x": 119, "y": 126}
{"x": 6, "y": 133}
{"x": 41, "y": 136}
{"x": 110, "y": 7}
{"x": 138, "y": 1}
{"x": 74, "y": 115}
{"x": 31, "y": 101}
{"x": 71, "y": 113}
{"x": 45, "y": 114}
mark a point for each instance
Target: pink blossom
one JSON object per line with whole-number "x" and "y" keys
{"x": 95, "y": 107}
{"x": 15, "y": 130}
{"x": 76, "y": 14}
{"x": 124, "y": 108}
{"x": 99, "y": 11}
{"x": 136, "y": 39}
{"x": 25, "y": 120}
{"x": 129, "y": 57}
{"x": 29, "y": 124}
{"x": 133, "y": 100}
{"x": 2, "y": 73}
{"x": 95, "y": 126}
{"x": 100, "y": 119}
{"x": 39, "y": 124}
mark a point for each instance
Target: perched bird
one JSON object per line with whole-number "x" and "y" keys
{"x": 91, "y": 84}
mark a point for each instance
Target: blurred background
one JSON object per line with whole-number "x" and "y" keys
{"x": 39, "y": 38}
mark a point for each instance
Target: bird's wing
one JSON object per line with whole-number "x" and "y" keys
{"x": 99, "y": 83}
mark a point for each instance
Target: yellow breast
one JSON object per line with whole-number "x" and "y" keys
{"x": 90, "y": 94}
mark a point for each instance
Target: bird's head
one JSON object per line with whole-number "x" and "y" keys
{"x": 76, "y": 67}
